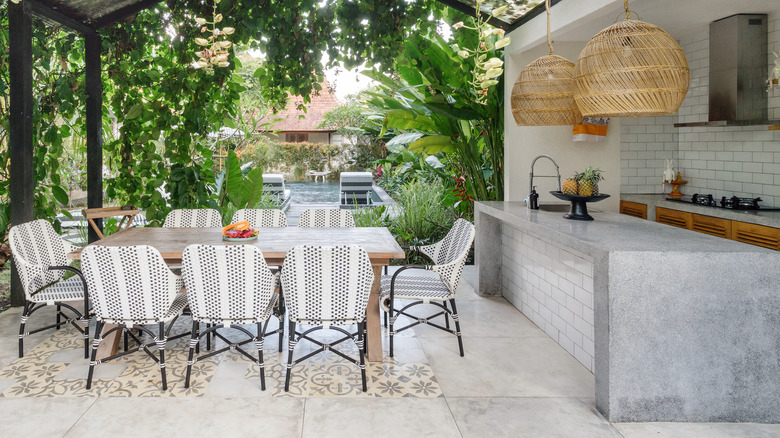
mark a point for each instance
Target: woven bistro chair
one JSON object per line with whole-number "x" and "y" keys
{"x": 228, "y": 286}
{"x": 132, "y": 287}
{"x": 326, "y": 287}
{"x": 326, "y": 218}
{"x": 193, "y": 218}
{"x": 261, "y": 218}
{"x": 449, "y": 256}
{"x": 267, "y": 218}
{"x": 40, "y": 257}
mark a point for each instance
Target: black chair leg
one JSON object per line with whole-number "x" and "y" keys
{"x": 391, "y": 329}
{"x": 260, "y": 363}
{"x": 290, "y": 347}
{"x": 446, "y": 316}
{"x": 362, "y": 343}
{"x": 126, "y": 342}
{"x": 95, "y": 344}
{"x": 85, "y": 324}
{"x": 457, "y": 325}
{"x": 385, "y": 319}
{"x": 194, "y": 341}
{"x": 59, "y": 316}
{"x": 161, "y": 346}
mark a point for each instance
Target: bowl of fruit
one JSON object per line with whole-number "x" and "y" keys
{"x": 583, "y": 187}
{"x": 239, "y": 232}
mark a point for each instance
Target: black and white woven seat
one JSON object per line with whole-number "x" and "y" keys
{"x": 449, "y": 256}
{"x": 326, "y": 287}
{"x": 261, "y": 218}
{"x": 326, "y": 218}
{"x": 40, "y": 257}
{"x": 193, "y": 218}
{"x": 228, "y": 286}
{"x": 132, "y": 287}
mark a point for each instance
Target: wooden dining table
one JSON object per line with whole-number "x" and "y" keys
{"x": 380, "y": 245}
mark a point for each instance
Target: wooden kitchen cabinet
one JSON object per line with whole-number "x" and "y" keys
{"x": 634, "y": 209}
{"x": 753, "y": 234}
{"x": 675, "y": 218}
{"x": 713, "y": 226}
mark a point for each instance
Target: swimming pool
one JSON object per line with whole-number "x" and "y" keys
{"x": 310, "y": 191}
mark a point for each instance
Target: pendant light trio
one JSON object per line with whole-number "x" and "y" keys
{"x": 630, "y": 69}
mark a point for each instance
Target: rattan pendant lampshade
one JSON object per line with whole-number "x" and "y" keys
{"x": 631, "y": 69}
{"x": 543, "y": 93}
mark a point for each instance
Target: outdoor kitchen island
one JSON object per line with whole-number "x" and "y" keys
{"x": 675, "y": 325}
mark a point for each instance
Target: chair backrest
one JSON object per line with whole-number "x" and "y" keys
{"x": 327, "y": 283}
{"x": 35, "y": 244}
{"x": 273, "y": 183}
{"x": 193, "y": 218}
{"x": 227, "y": 283}
{"x": 450, "y": 253}
{"x": 355, "y": 187}
{"x": 261, "y": 218}
{"x": 329, "y": 218}
{"x": 129, "y": 283}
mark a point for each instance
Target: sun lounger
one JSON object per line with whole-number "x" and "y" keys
{"x": 355, "y": 189}
{"x": 274, "y": 183}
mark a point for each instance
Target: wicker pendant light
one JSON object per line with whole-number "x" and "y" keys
{"x": 631, "y": 69}
{"x": 542, "y": 95}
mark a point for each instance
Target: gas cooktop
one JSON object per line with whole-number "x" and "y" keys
{"x": 732, "y": 203}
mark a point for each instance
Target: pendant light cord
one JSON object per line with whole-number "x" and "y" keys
{"x": 549, "y": 42}
{"x": 628, "y": 12}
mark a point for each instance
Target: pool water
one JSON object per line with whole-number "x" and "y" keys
{"x": 310, "y": 191}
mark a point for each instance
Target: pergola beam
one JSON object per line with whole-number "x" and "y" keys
{"x": 20, "y": 146}
{"x": 44, "y": 11}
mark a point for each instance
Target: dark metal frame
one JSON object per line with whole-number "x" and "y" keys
{"x": 232, "y": 346}
{"x": 159, "y": 341}
{"x": 30, "y": 308}
{"x": 294, "y": 337}
{"x": 446, "y": 312}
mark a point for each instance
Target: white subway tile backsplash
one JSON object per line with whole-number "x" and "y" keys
{"x": 724, "y": 161}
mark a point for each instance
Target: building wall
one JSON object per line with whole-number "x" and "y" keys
{"x": 314, "y": 137}
{"x": 724, "y": 161}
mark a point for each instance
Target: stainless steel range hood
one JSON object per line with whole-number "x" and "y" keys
{"x": 738, "y": 72}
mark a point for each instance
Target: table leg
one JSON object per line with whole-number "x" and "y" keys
{"x": 373, "y": 325}
{"x": 110, "y": 344}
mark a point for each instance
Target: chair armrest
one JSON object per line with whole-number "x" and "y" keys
{"x": 402, "y": 269}
{"x": 81, "y": 277}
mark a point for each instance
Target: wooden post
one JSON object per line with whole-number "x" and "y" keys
{"x": 94, "y": 114}
{"x": 21, "y": 180}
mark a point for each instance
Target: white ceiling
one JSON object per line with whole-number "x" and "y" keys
{"x": 677, "y": 17}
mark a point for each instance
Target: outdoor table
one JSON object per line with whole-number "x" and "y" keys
{"x": 274, "y": 243}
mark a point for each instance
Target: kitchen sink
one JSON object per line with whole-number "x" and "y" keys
{"x": 555, "y": 207}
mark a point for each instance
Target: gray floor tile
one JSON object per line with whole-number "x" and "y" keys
{"x": 698, "y": 430}
{"x": 377, "y": 418}
{"x": 80, "y": 369}
{"x": 41, "y": 417}
{"x": 528, "y": 417}
{"x": 230, "y": 381}
{"x": 507, "y": 367}
{"x": 193, "y": 417}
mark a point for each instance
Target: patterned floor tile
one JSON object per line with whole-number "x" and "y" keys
{"x": 40, "y": 372}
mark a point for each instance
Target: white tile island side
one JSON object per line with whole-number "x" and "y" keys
{"x": 675, "y": 325}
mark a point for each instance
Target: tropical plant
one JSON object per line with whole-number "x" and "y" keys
{"x": 371, "y": 216}
{"x": 432, "y": 102}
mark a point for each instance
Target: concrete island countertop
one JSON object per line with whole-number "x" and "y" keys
{"x": 686, "y": 326}
{"x": 612, "y": 231}
{"x": 768, "y": 218}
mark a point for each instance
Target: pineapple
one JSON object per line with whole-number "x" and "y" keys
{"x": 570, "y": 186}
{"x": 589, "y": 182}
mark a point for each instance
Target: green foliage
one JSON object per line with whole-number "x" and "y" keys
{"x": 371, "y": 216}
{"x": 433, "y": 110}
{"x": 423, "y": 217}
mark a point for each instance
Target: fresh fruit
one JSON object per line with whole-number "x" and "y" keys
{"x": 589, "y": 182}
{"x": 569, "y": 186}
{"x": 238, "y": 226}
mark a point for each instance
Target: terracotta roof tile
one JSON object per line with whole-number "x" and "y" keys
{"x": 316, "y": 109}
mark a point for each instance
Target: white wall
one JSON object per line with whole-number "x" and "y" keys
{"x": 723, "y": 161}
{"x": 523, "y": 143}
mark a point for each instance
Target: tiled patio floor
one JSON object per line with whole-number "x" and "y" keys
{"x": 514, "y": 381}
